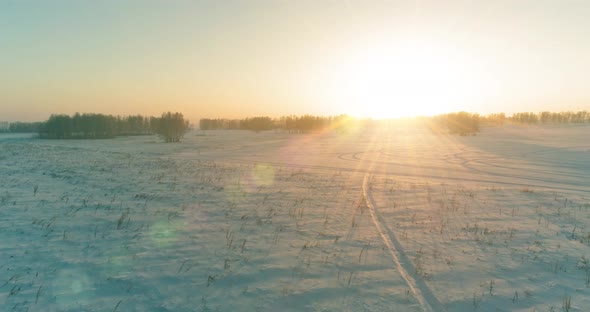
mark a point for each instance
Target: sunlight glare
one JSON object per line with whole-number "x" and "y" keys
{"x": 406, "y": 79}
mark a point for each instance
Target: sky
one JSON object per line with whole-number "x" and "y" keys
{"x": 234, "y": 59}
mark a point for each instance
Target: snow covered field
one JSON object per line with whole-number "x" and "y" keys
{"x": 385, "y": 219}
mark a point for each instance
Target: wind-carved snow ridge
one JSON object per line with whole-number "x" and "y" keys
{"x": 418, "y": 287}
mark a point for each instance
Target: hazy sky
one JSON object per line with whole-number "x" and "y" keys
{"x": 244, "y": 58}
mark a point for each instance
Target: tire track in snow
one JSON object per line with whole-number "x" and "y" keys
{"x": 402, "y": 262}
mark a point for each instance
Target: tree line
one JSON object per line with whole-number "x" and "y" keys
{"x": 94, "y": 126}
{"x": 305, "y": 123}
{"x": 170, "y": 126}
{"x": 20, "y": 127}
{"x": 551, "y": 117}
{"x": 462, "y": 123}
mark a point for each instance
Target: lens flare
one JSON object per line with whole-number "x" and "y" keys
{"x": 164, "y": 233}
{"x": 72, "y": 288}
{"x": 263, "y": 175}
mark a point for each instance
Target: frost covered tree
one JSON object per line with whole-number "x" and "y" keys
{"x": 171, "y": 126}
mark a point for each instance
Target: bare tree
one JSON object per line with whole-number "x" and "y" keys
{"x": 172, "y": 126}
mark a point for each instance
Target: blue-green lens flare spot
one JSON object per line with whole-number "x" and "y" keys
{"x": 71, "y": 288}
{"x": 117, "y": 263}
{"x": 164, "y": 233}
{"x": 263, "y": 175}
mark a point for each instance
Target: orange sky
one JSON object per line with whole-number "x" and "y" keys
{"x": 243, "y": 58}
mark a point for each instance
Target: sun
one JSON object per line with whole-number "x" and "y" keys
{"x": 405, "y": 79}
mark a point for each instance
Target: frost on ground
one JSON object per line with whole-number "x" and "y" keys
{"x": 239, "y": 221}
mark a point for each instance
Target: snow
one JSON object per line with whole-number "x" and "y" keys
{"x": 386, "y": 219}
